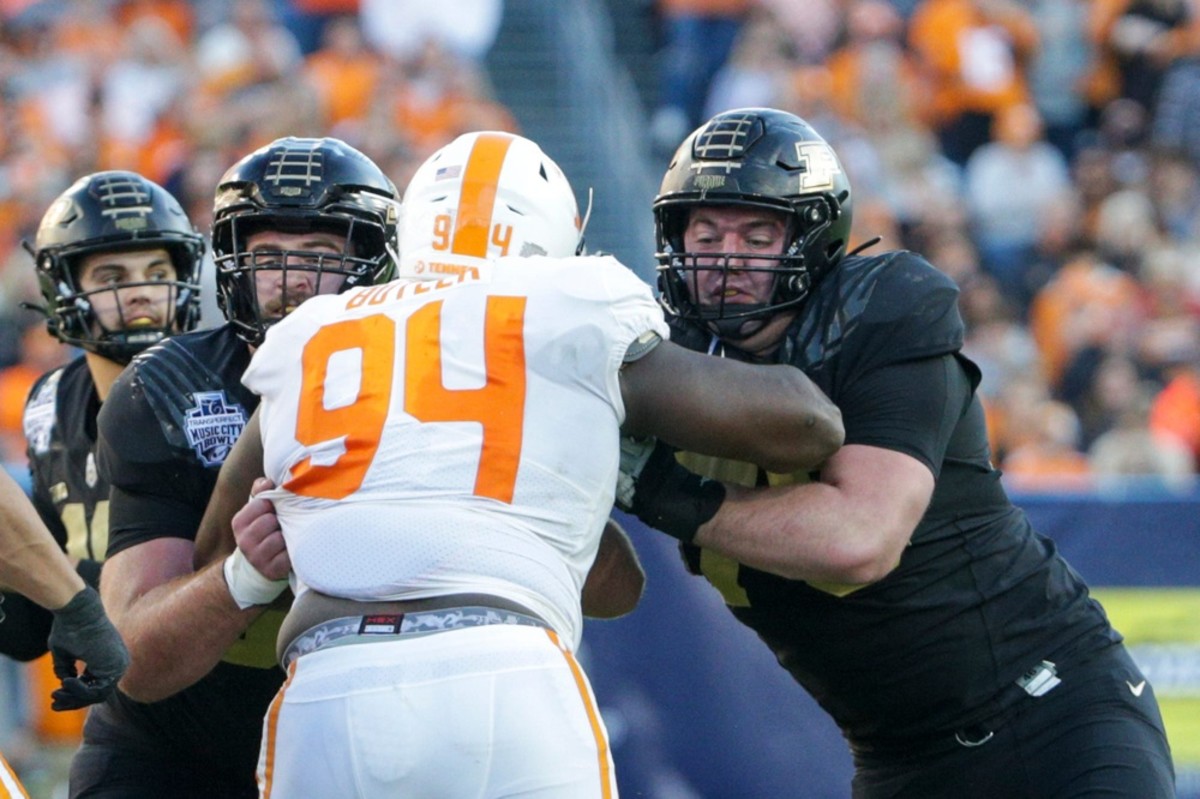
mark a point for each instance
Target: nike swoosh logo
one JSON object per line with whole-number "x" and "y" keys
{"x": 1136, "y": 690}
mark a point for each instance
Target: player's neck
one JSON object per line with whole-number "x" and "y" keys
{"x": 104, "y": 373}
{"x": 761, "y": 345}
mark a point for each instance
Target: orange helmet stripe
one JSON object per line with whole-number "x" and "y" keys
{"x": 473, "y": 219}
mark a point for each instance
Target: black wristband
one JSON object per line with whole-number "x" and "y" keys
{"x": 89, "y": 570}
{"x": 675, "y": 501}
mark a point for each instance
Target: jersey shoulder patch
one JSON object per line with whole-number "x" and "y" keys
{"x": 212, "y": 425}
{"x": 188, "y": 388}
{"x": 40, "y": 411}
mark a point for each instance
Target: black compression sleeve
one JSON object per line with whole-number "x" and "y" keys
{"x": 89, "y": 570}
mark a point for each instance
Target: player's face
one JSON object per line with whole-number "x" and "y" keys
{"x": 720, "y": 230}
{"x": 289, "y": 268}
{"x": 127, "y": 291}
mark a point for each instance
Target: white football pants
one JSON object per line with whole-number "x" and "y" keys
{"x": 483, "y": 712}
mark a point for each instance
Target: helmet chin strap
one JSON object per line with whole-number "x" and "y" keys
{"x": 732, "y": 331}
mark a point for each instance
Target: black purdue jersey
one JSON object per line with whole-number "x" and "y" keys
{"x": 164, "y": 431}
{"x": 978, "y": 598}
{"x": 68, "y": 492}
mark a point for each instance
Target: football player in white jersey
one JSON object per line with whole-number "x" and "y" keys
{"x": 446, "y": 451}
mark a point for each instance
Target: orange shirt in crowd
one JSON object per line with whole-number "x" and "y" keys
{"x": 974, "y": 62}
{"x": 1176, "y": 410}
{"x": 1086, "y": 302}
{"x": 178, "y": 14}
{"x": 346, "y": 86}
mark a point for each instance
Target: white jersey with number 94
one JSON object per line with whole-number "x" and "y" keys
{"x": 455, "y": 436}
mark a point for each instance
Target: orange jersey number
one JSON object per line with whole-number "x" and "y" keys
{"x": 499, "y": 406}
{"x": 500, "y": 237}
{"x": 361, "y": 422}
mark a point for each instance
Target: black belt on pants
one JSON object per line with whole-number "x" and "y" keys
{"x": 385, "y": 626}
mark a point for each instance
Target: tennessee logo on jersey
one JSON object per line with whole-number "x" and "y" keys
{"x": 420, "y": 267}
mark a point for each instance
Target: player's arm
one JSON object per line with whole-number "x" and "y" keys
{"x": 177, "y": 621}
{"x": 235, "y": 482}
{"x": 852, "y": 526}
{"x": 773, "y": 416}
{"x": 849, "y": 528}
{"x": 246, "y": 530}
{"x": 26, "y": 623}
{"x": 31, "y": 562}
{"x": 615, "y": 582}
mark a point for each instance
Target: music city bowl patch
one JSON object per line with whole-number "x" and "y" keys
{"x": 39, "y": 416}
{"x": 213, "y": 425}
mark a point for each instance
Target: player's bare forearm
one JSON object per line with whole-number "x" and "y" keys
{"x": 850, "y": 528}
{"x": 31, "y": 562}
{"x": 214, "y": 539}
{"x": 770, "y": 415}
{"x": 176, "y": 623}
{"x": 615, "y": 582}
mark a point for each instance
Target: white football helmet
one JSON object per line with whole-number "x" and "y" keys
{"x": 485, "y": 195}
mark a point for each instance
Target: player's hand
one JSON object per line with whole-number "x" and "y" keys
{"x": 82, "y": 631}
{"x": 257, "y": 532}
{"x": 257, "y": 571}
{"x": 665, "y": 495}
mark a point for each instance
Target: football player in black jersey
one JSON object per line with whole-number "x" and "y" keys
{"x": 296, "y": 218}
{"x": 118, "y": 265}
{"x": 957, "y": 651}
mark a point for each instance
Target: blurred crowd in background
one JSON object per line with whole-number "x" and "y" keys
{"x": 179, "y": 90}
{"x": 1044, "y": 153}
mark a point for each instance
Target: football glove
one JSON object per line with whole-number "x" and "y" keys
{"x": 653, "y": 486}
{"x": 81, "y": 631}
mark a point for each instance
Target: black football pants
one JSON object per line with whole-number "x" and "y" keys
{"x": 1097, "y": 734}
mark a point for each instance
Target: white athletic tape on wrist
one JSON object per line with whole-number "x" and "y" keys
{"x": 247, "y": 585}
